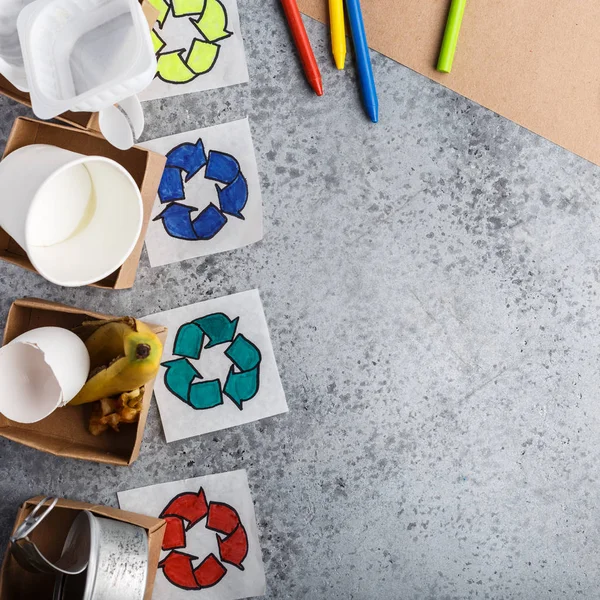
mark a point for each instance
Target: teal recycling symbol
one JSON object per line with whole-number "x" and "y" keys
{"x": 183, "y": 380}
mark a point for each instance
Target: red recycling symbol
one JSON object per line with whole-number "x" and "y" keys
{"x": 192, "y": 508}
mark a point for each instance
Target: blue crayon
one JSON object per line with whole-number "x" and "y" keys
{"x": 363, "y": 60}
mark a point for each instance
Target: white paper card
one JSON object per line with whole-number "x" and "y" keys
{"x": 211, "y": 541}
{"x": 209, "y": 197}
{"x": 198, "y": 45}
{"x": 218, "y": 367}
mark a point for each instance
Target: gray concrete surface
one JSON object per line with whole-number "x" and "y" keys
{"x": 431, "y": 285}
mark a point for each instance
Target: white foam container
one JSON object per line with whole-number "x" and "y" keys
{"x": 84, "y": 55}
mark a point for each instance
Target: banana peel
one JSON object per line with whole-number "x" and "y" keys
{"x": 110, "y": 412}
{"x": 124, "y": 355}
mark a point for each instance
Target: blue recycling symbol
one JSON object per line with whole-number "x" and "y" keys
{"x": 183, "y": 380}
{"x": 230, "y": 184}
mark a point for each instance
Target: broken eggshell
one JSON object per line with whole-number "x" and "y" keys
{"x": 41, "y": 370}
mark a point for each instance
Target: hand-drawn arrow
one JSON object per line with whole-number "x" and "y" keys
{"x": 234, "y": 548}
{"x": 213, "y": 22}
{"x": 174, "y": 534}
{"x": 205, "y": 394}
{"x": 202, "y": 56}
{"x": 222, "y": 167}
{"x": 179, "y": 376}
{"x": 188, "y": 157}
{"x": 188, "y": 341}
{"x": 217, "y": 327}
{"x": 209, "y": 572}
{"x": 225, "y": 169}
{"x": 222, "y": 518}
{"x": 242, "y": 385}
{"x": 209, "y": 222}
{"x": 243, "y": 353}
{"x": 177, "y": 221}
{"x": 157, "y": 42}
{"x": 171, "y": 185}
{"x": 172, "y": 68}
{"x": 182, "y": 8}
{"x": 189, "y": 506}
{"x": 233, "y": 198}
{"x": 178, "y": 570}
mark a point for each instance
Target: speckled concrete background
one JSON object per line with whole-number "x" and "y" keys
{"x": 431, "y": 286}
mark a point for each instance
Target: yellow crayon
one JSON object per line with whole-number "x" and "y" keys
{"x": 338, "y": 32}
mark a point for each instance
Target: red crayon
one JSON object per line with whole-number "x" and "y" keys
{"x": 307, "y": 57}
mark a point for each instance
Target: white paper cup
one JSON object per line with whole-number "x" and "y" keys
{"x": 77, "y": 217}
{"x": 41, "y": 370}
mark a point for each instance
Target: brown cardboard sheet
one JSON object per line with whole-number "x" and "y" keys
{"x": 18, "y": 584}
{"x": 65, "y": 431}
{"x": 533, "y": 62}
{"x": 145, "y": 167}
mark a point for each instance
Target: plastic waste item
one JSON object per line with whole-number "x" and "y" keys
{"x": 76, "y": 550}
{"x": 77, "y": 217}
{"x": 84, "y": 55}
{"x": 40, "y": 371}
{"x": 11, "y": 57}
{"x": 122, "y": 124}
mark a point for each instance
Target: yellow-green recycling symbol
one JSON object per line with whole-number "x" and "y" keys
{"x": 210, "y": 19}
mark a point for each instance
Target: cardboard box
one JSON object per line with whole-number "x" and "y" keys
{"x": 145, "y": 167}
{"x": 65, "y": 431}
{"x": 49, "y": 536}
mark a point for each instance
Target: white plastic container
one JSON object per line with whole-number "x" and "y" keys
{"x": 77, "y": 217}
{"x": 84, "y": 55}
{"x": 40, "y": 371}
{"x": 11, "y": 58}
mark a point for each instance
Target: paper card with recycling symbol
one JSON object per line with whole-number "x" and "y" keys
{"x": 218, "y": 367}
{"x": 211, "y": 544}
{"x": 198, "y": 46}
{"x": 209, "y": 196}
